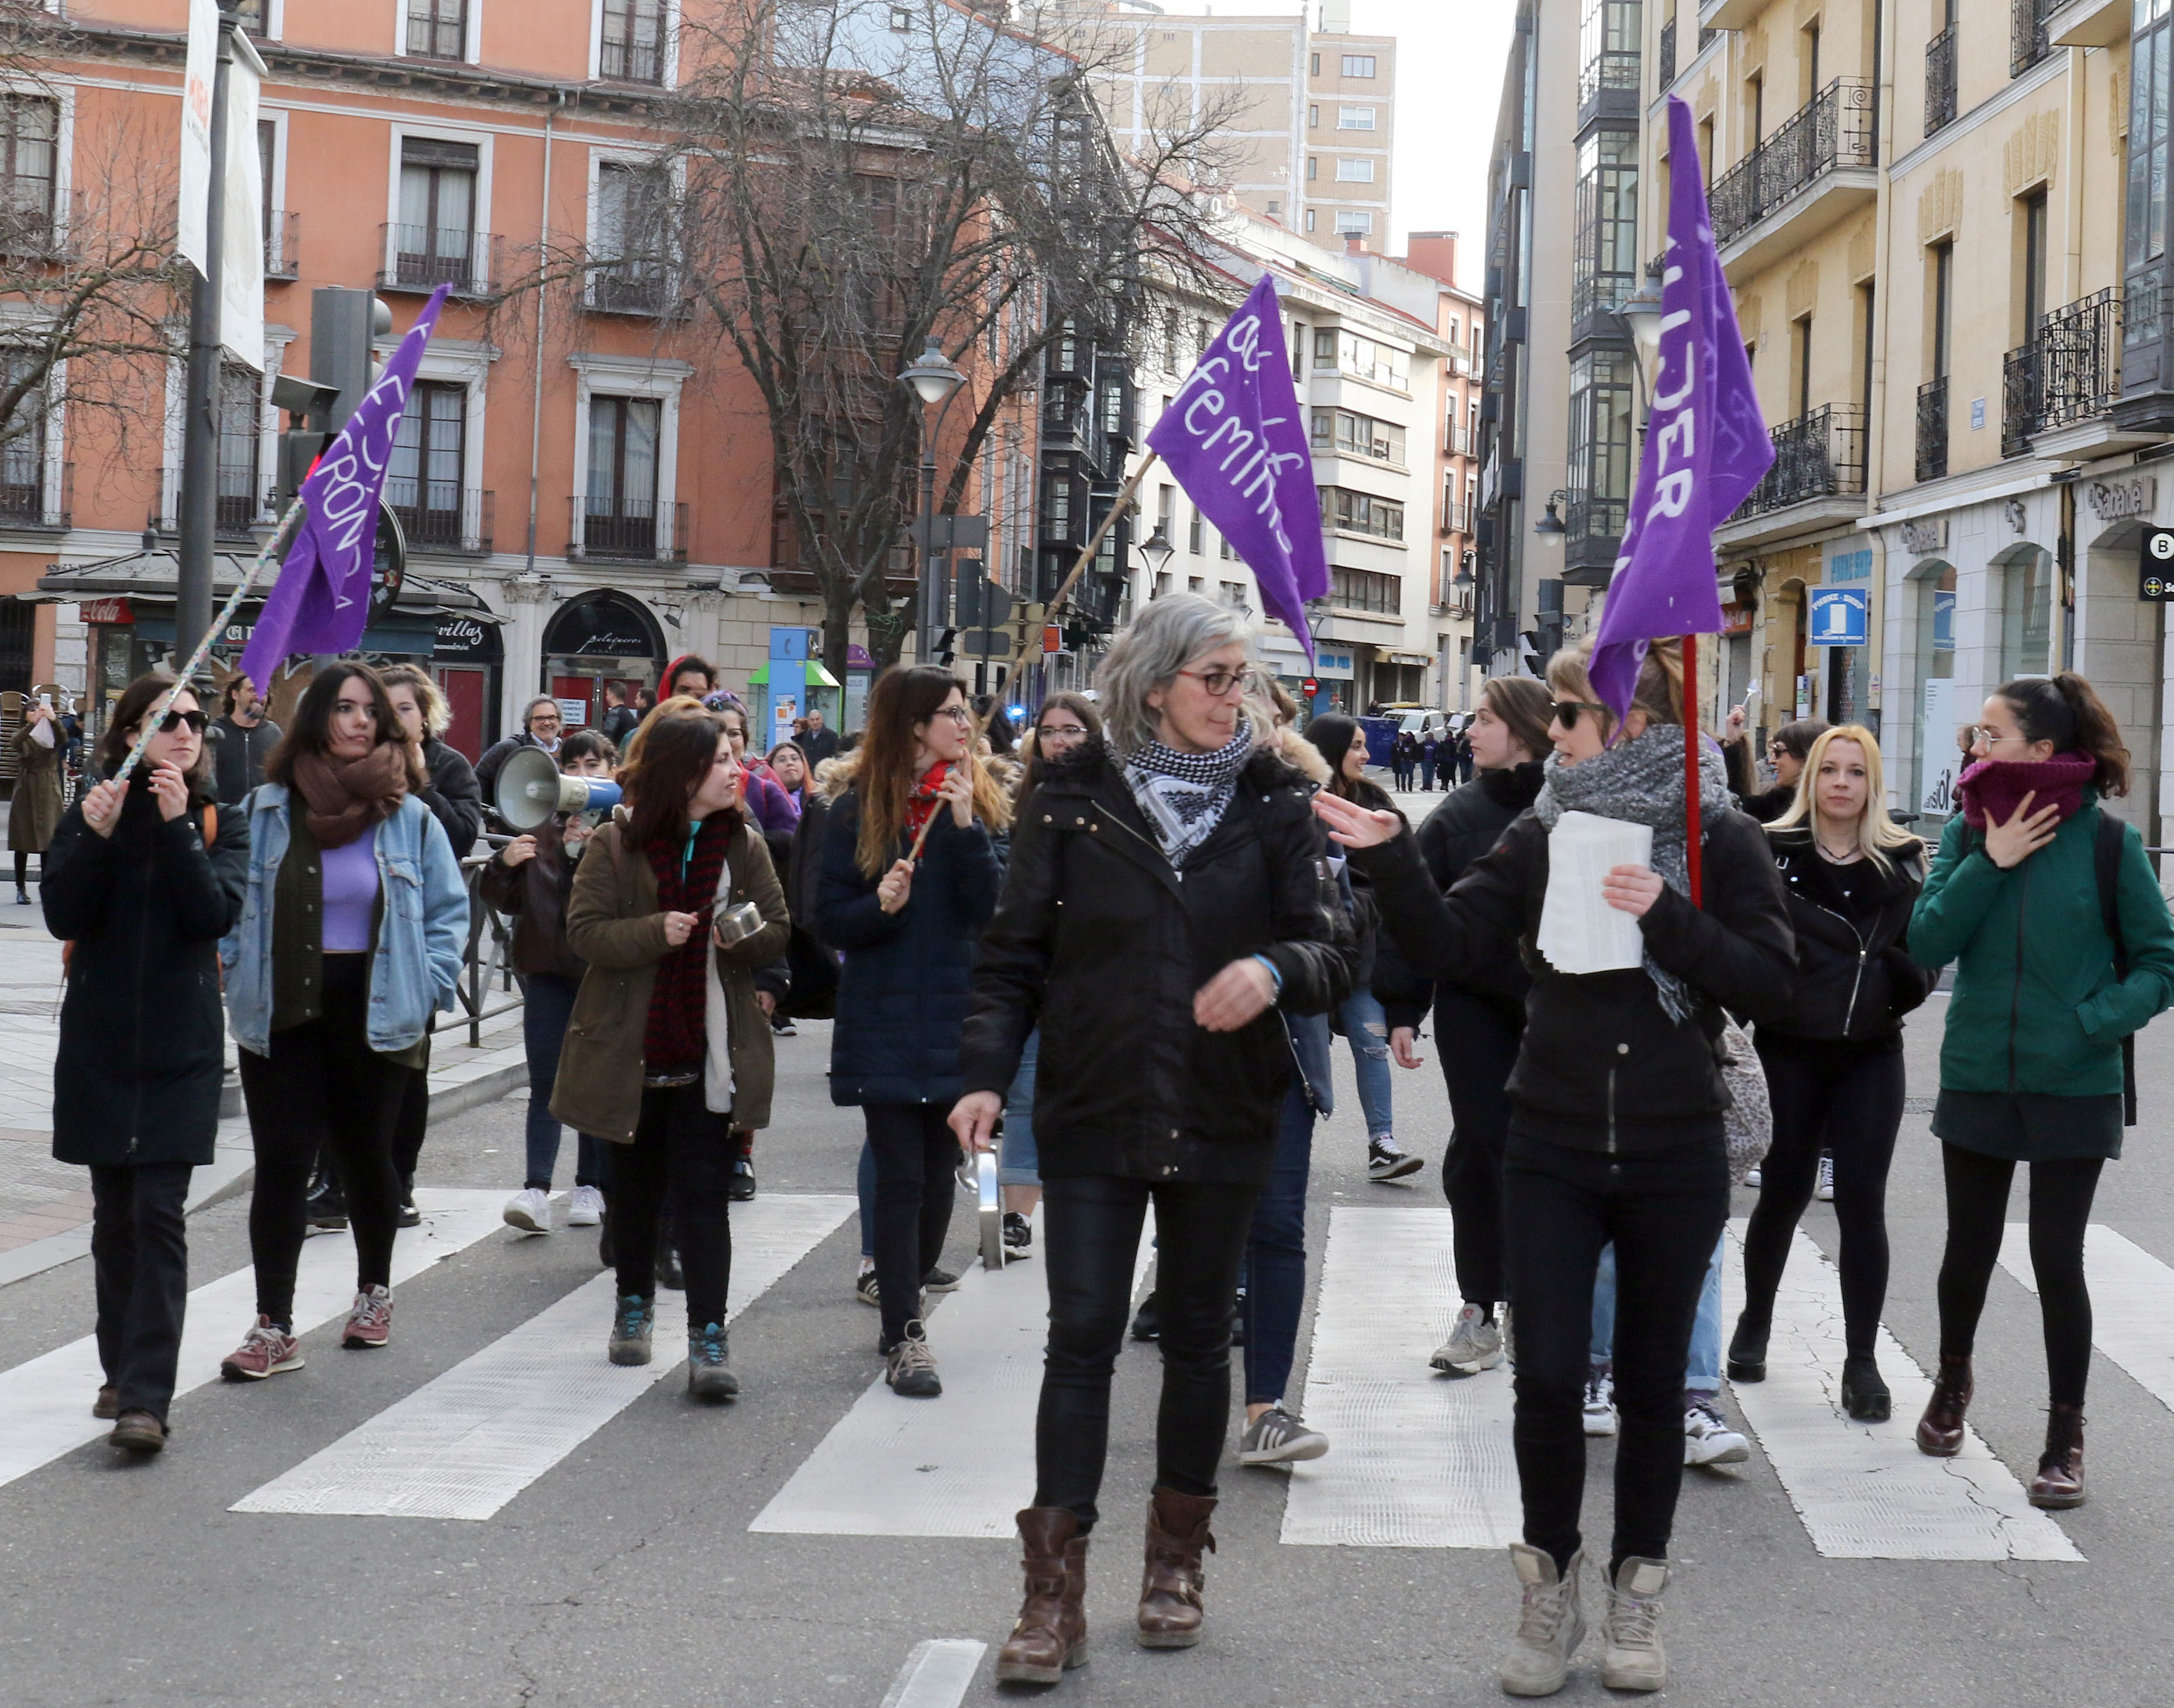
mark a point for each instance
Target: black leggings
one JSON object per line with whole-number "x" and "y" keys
{"x": 322, "y": 1084}
{"x": 915, "y": 1153}
{"x": 682, "y": 1152}
{"x": 22, "y": 867}
{"x": 2061, "y": 1195}
{"x": 1476, "y": 1059}
{"x": 1091, "y": 1238}
{"x": 1848, "y": 1098}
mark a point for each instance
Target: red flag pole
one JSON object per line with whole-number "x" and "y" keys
{"x": 1691, "y": 765}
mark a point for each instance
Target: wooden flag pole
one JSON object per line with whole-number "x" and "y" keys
{"x": 1117, "y": 507}
{"x": 1691, "y": 850}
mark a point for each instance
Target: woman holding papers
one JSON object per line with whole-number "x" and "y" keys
{"x": 1616, "y": 1112}
{"x": 2051, "y": 913}
{"x": 1834, "y": 1062}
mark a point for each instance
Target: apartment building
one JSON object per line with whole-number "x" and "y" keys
{"x": 1461, "y": 320}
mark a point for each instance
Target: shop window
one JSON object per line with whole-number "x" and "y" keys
{"x": 2027, "y": 611}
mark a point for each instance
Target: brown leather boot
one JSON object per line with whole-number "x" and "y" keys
{"x": 1051, "y": 1632}
{"x": 1170, "y": 1589}
{"x": 2060, "y": 1483}
{"x": 1940, "y": 1430}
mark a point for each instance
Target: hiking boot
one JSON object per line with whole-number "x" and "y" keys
{"x": 740, "y": 1189}
{"x": 1635, "y": 1661}
{"x": 2059, "y": 1484}
{"x": 1550, "y": 1625}
{"x": 1170, "y": 1612}
{"x": 107, "y": 1405}
{"x": 1050, "y": 1632}
{"x": 1018, "y": 1235}
{"x": 585, "y": 1209}
{"x": 1276, "y": 1437}
{"x": 1707, "y": 1438}
{"x": 1387, "y": 1160}
{"x": 910, "y": 1367}
{"x": 708, "y": 1376}
{"x": 268, "y": 1349}
{"x": 1474, "y": 1344}
{"x": 1600, "y": 1400}
{"x": 138, "y": 1432}
{"x": 633, "y": 1321}
{"x": 370, "y": 1324}
{"x": 1940, "y": 1430}
{"x": 529, "y": 1210}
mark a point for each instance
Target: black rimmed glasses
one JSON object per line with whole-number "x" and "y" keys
{"x": 174, "y": 720}
{"x": 1217, "y": 682}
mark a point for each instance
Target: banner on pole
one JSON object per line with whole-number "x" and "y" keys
{"x": 241, "y": 245}
{"x": 190, "y": 238}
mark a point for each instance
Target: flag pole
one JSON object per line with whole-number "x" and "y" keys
{"x": 1691, "y": 850}
{"x": 1116, "y": 508}
{"x": 281, "y": 536}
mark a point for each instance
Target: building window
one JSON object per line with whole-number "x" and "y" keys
{"x": 620, "y": 510}
{"x": 1309, "y": 219}
{"x": 1383, "y": 364}
{"x": 1195, "y": 533}
{"x": 423, "y": 483}
{"x": 434, "y": 242}
{"x": 241, "y": 427}
{"x": 633, "y": 45}
{"x": 1605, "y": 266}
{"x": 2026, "y": 615}
{"x": 1600, "y": 457}
{"x": 629, "y": 249}
{"x": 1367, "y": 590}
{"x": 901, "y": 17}
{"x": 1353, "y": 118}
{"x": 29, "y": 128}
{"x": 1313, "y": 64}
{"x": 1352, "y": 223}
{"x": 1313, "y": 118}
{"x": 1608, "y": 47}
{"x": 1358, "y": 65}
{"x": 438, "y": 29}
{"x": 1339, "y": 432}
{"x": 1313, "y": 168}
{"x": 1362, "y": 513}
{"x": 1354, "y": 172}
{"x": 23, "y": 451}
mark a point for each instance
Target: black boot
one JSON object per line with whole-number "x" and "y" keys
{"x": 1864, "y": 1394}
{"x": 326, "y": 1209}
{"x": 1747, "y": 1348}
{"x": 410, "y": 1216}
{"x": 1147, "y": 1321}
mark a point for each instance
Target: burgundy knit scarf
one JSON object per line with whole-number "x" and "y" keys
{"x": 1997, "y": 787}
{"x": 673, "y": 1039}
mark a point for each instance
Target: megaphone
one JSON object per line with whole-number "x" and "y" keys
{"x": 531, "y": 788}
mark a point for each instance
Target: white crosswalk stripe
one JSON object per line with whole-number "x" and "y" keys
{"x": 467, "y": 1442}
{"x": 961, "y": 1464}
{"x": 45, "y": 1405}
{"x": 1414, "y": 1460}
{"x": 2131, "y": 1302}
{"x": 1864, "y": 1490}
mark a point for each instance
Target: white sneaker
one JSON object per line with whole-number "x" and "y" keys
{"x": 1755, "y": 1179}
{"x": 1825, "y": 1191}
{"x": 1600, "y": 1401}
{"x": 529, "y": 1210}
{"x": 1708, "y": 1440}
{"x": 587, "y": 1209}
{"x": 1474, "y": 1344}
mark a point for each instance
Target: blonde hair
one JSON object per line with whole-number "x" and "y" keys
{"x": 1659, "y": 692}
{"x": 437, "y": 716}
{"x": 1876, "y": 833}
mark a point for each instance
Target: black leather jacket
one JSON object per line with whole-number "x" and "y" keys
{"x": 1855, "y": 978}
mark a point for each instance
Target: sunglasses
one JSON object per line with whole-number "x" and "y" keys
{"x": 1567, "y": 710}
{"x": 174, "y": 720}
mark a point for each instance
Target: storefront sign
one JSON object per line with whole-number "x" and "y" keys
{"x": 107, "y": 611}
{"x": 1851, "y": 566}
{"x": 1841, "y": 616}
{"x": 2155, "y": 580}
{"x": 1736, "y": 619}
{"x": 1925, "y": 533}
{"x": 466, "y": 640}
{"x": 1944, "y": 757}
{"x": 2123, "y": 501}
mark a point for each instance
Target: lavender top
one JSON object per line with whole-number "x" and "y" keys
{"x": 350, "y": 895}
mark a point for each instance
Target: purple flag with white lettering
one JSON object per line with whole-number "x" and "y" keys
{"x": 1706, "y": 443}
{"x": 321, "y": 599}
{"x": 1236, "y": 440}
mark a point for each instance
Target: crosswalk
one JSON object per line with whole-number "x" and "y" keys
{"x": 1417, "y": 1460}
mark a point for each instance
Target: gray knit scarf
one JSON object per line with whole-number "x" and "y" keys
{"x": 1641, "y": 782}
{"x": 1184, "y": 795}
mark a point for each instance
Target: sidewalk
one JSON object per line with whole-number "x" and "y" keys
{"x": 44, "y": 1206}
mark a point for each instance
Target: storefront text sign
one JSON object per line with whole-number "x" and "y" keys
{"x": 2121, "y": 500}
{"x": 2155, "y": 575}
{"x": 1925, "y": 533}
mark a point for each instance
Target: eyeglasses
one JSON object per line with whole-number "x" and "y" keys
{"x": 1061, "y": 732}
{"x": 174, "y": 720}
{"x": 957, "y": 713}
{"x": 1978, "y": 732}
{"x": 1567, "y": 710}
{"x": 1217, "y": 682}
{"x": 543, "y": 718}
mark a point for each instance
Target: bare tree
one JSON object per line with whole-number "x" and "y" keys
{"x": 847, "y": 180}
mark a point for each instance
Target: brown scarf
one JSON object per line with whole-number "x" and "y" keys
{"x": 346, "y": 796}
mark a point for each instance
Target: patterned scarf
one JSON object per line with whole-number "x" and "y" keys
{"x": 1995, "y": 788}
{"x": 673, "y": 1039}
{"x": 1641, "y": 780}
{"x": 922, "y": 802}
{"x": 1184, "y": 795}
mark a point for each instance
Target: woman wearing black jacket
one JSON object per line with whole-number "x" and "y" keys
{"x": 1615, "y": 1131}
{"x": 130, "y": 881}
{"x": 1478, "y": 1019}
{"x": 1834, "y": 1060}
{"x": 1168, "y": 891}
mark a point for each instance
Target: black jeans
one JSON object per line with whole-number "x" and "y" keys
{"x": 1091, "y": 1236}
{"x": 914, "y": 1154}
{"x": 1847, "y": 1098}
{"x": 2061, "y": 1195}
{"x": 1476, "y": 1064}
{"x": 411, "y": 1121}
{"x": 322, "y": 1084}
{"x": 1664, "y": 1210}
{"x": 683, "y": 1152}
{"x": 139, "y": 1253}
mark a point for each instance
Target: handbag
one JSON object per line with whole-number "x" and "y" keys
{"x": 1748, "y": 1122}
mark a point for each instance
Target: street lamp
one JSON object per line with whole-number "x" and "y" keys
{"x": 1552, "y": 522}
{"x": 1157, "y": 550}
{"x": 1640, "y": 315}
{"x": 935, "y": 380}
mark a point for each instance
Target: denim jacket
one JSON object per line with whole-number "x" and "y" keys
{"x": 416, "y": 967}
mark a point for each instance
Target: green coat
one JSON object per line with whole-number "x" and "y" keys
{"x": 2036, "y": 1007}
{"x": 35, "y": 813}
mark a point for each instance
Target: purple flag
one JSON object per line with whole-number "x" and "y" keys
{"x": 1236, "y": 440}
{"x": 321, "y": 599}
{"x": 1706, "y": 443}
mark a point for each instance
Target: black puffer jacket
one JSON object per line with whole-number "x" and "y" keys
{"x": 1855, "y": 979}
{"x": 1602, "y": 1066}
{"x": 1098, "y": 940}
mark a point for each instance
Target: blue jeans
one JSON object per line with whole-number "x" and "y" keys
{"x": 1367, "y": 1027}
{"x": 1275, "y": 1256}
{"x": 543, "y": 1016}
{"x": 1019, "y": 1163}
{"x": 1703, "y": 1373}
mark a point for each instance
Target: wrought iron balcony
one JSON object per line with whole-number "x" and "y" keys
{"x": 1608, "y": 84}
{"x": 1665, "y": 67}
{"x": 627, "y": 530}
{"x": 2020, "y": 382}
{"x": 441, "y": 516}
{"x": 639, "y": 283}
{"x": 2069, "y": 372}
{"x": 1940, "y": 81}
{"x": 422, "y": 258}
{"x": 1933, "y": 429}
{"x": 632, "y": 61}
{"x": 1837, "y": 128}
{"x": 2029, "y": 41}
{"x": 283, "y": 244}
{"x": 1592, "y": 535}
{"x": 242, "y": 501}
{"x": 31, "y": 494}
{"x": 1817, "y": 456}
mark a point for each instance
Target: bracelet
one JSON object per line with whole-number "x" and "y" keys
{"x": 1274, "y": 974}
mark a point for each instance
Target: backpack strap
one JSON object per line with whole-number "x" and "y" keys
{"x": 2106, "y": 850}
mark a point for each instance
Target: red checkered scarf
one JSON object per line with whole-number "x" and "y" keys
{"x": 673, "y": 1039}
{"x": 921, "y": 805}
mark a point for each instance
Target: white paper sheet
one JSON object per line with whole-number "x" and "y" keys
{"x": 1579, "y": 932}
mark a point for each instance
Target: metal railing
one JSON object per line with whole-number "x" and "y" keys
{"x": 487, "y": 967}
{"x": 439, "y": 516}
{"x": 1837, "y": 128}
{"x": 639, "y": 284}
{"x": 422, "y": 258}
{"x": 632, "y": 61}
{"x": 30, "y": 498}
{"x": 1933, "y": 429}
{"x": 632, "y": 531}
{"x": 2028, "y": 17}
{"x": 242, "y": 500}
{"x": 1665, "y": 62}
{"x": 283, "y": 244}
{"x": 1612, "y": 67}
{"x": 2020, "y": 377}
{"x": 2069, "y": 371}
{"x": 1820, "y": 455}
{"x": 1940, "y": 81}
{"x": 1586, "y": 517}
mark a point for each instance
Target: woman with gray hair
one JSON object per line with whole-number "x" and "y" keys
{"x": 1168, "y": 892}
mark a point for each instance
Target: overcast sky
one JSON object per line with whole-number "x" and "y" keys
{"x": 1449, "y": 86}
